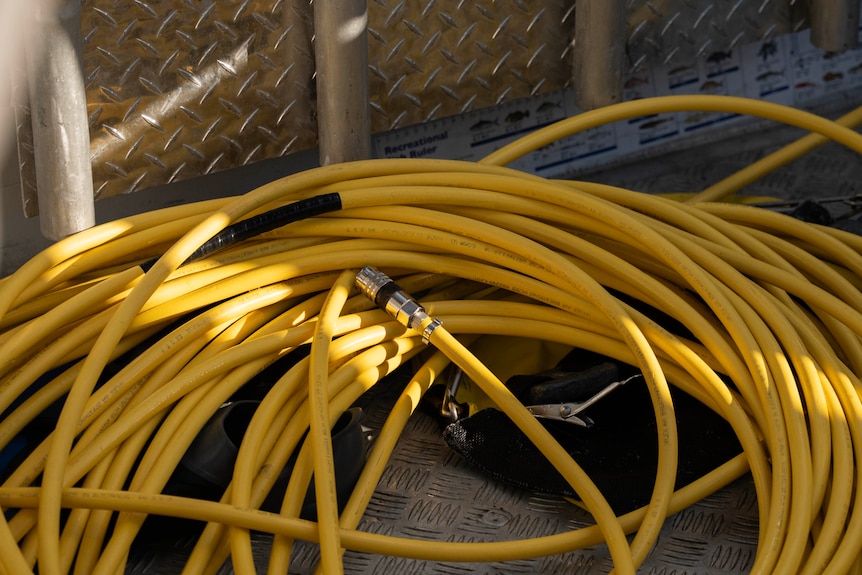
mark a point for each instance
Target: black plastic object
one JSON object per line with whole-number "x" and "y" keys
{"x": 206, "y": 468}
{"x": 211, "y": 457}
{"x": 44, "y": 423}
{"x": 265, "y": 222}
{"x": 812, "y": 212}
{"x": 619, "y": 451}
{"x": 815, "y": 212}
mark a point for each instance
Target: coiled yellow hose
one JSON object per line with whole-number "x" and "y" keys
{"x": 772, "y": 304}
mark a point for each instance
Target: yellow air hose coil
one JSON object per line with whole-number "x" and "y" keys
{"x": 772, "y": 304}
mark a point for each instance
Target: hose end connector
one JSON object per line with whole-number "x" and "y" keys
{"x": 391, "y": 298}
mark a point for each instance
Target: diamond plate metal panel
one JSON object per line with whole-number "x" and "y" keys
{"x": 448, "y": 500}
{"x": 179, "y": 89}
{"x": 438, "y": 58}
{"x": 678, "y": 31}
{"x": 429, "y": 493}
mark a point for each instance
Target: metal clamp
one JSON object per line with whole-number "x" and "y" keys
{"x": 569, "y": 411}
{"x": 450, "y": 408}
{"x": 392, "y": 299}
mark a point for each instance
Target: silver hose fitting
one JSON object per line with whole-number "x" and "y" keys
{"x": 391, "y": 298}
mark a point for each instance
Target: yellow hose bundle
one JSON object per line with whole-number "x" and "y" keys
{"x": 773, "y": 305}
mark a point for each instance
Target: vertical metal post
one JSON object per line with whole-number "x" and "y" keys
{"x": 58, "y": 108}
{"x": 599, "y": 52}
{"x": 341, "y": 57}
{"x": 834, "y": 24}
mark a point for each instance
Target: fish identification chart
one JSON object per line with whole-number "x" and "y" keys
{"x": 785, "y": 69}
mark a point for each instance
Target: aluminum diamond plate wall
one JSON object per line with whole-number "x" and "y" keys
{"x": 181, "y": 88}
{"x": 438, "y": 58}
{"x": 428, "y": 493}
{"x": 676, "y": 31}
{"x": 178, "y": 89}
{"x": 433, "y": 59}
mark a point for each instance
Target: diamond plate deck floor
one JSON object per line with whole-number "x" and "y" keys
{"x": 428, "y": 492}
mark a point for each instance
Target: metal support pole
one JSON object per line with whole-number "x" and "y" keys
{"x": 341, "y": 57}
{"x": 834, "y": 24}
{"x": 599, "y": 52}
{"x": 58, "y": 108}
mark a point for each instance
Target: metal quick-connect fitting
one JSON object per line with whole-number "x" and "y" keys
{"x": 395, "y": 301}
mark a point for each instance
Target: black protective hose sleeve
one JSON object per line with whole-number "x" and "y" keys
{"x": 262, "y": 223}
{"x": 268, "y": 221}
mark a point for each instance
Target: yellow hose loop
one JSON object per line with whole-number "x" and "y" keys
{"x": 669, "y": 104}
{"x": 769, "y": 303}
{"x": 751, "y": 173}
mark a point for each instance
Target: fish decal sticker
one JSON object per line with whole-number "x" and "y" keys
{"x": 517, "y": 116}
{"x": 767, "y": 50}
{"x": 653, "y": 123}
{"x": 718, "y": 57}
{"x": 483, "y": 125}
{"x": 769, "y": 75}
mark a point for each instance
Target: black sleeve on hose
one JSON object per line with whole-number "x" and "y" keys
{"x": 262, "y": 223}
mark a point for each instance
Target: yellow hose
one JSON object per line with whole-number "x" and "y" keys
{"x": 753, "y": 172}
{"x": 771, "y": 303}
